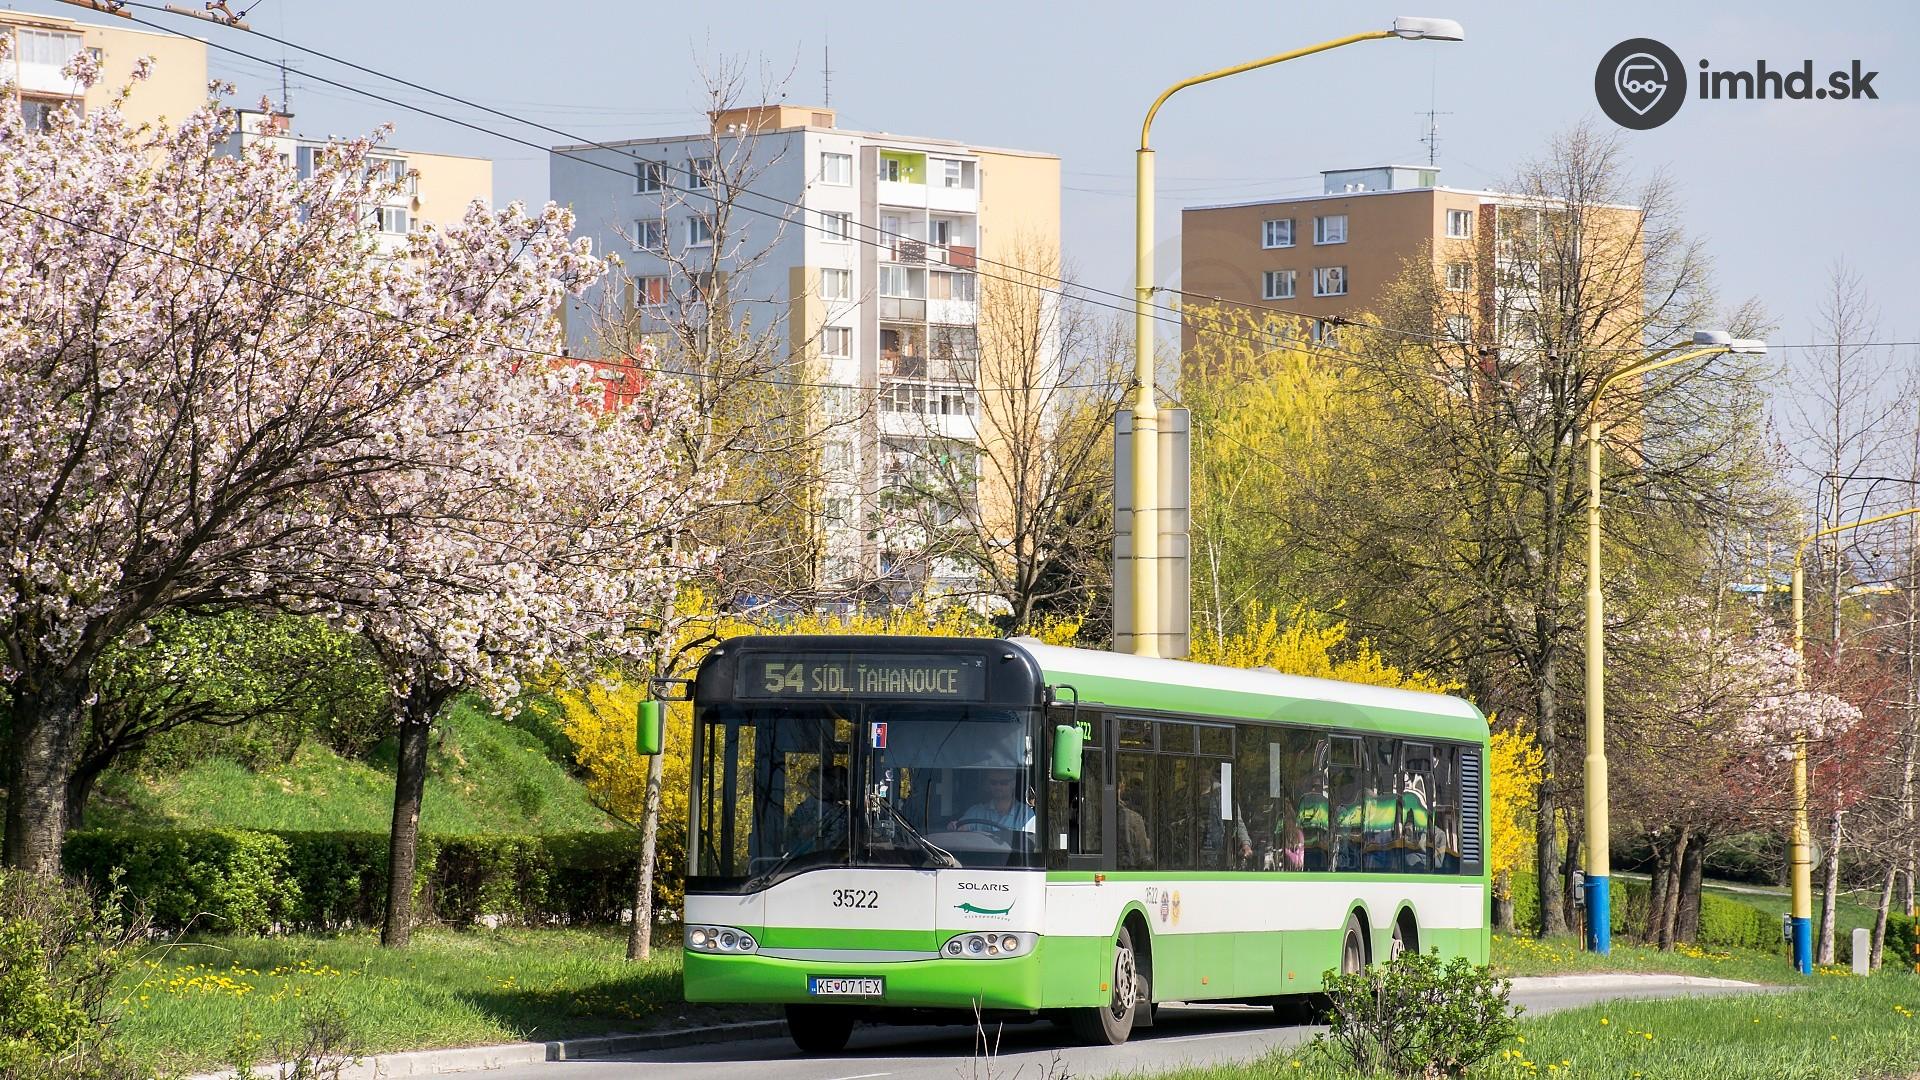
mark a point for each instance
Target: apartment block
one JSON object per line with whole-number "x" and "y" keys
{"x": 869, "y": 245}
{"x": 435, "y": 189}
{"x": 39, "y": 46}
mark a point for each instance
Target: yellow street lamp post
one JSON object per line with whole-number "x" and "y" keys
{"x": 1599, "y": 866}
{"x": 1145, "y": 495}
{"x": 1800, "y": 855}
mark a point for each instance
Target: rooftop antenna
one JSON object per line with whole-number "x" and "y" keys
{"x": 826, "y": 71}
{"x": 1433, "y": 115}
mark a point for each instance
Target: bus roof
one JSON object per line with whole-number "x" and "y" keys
{"x": 1183, "y": 686}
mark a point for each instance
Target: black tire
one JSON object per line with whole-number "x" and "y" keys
{"x": 819, "y": 1029}
{"x": 1110, "y": 1024}
{"x": 1353, "y": 946}
{"x": 1296, "y": 1009}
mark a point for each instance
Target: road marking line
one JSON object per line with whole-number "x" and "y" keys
{"x": 862, "y": 1076}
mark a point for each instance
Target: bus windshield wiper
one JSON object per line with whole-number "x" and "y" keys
{"x": 941, "y": 856}
{"x": 772, "y": 873}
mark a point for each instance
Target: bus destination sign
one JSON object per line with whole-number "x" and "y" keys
{"x": 792, "y": 675}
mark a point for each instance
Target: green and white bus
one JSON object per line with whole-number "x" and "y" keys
{"x": 887, "y": 828}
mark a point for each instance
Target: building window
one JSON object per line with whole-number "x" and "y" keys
{"x": 650, "y": 236}
{"x": 836, "y": 341}
{"x": 699, "y": 233}
{"x": 49, "y": 47}
{"x": 836, "y": 169}
{"x": 1276, "y": 285}
{"x": 891, "y": 170}
{"x": 38, "y": 113}
{"x": 1459, "y": 276}
{"x": 1460, "y": 224}
{"x": 956, "y": 174}
{"x": 649, "y": 291}
{"x": 1277, "y": 233}
{"x": 939, "y": 232}
{"x": 837, "y": 224}
{"x": 392, "y": 219}
{"x": 648, "y": 177}
{"x": 700, "y": 171}
{"x": 1330, "y": 229}
{"x": 1324, "y": 332}
{"x": 836, "y": 284}
{"x": 1459, "y": 328}
{"x": 945, "y": 286}
{"x": 1329, "y": 281}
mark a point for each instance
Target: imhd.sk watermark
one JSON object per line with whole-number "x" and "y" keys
{"x": 1641, "y": 83}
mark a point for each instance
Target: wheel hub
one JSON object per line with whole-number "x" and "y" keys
{"x": 1125, "y": 982}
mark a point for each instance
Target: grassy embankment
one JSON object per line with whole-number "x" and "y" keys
{"x": 486, "y": 777}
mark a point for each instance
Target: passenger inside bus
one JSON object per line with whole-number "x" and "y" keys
{"x": 819, "y": 823}
{"x": 1136, "y": 844}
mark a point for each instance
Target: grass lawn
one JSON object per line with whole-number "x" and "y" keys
{"x": 188, "y": 1006}
{"x": 485, "y": 777}
{"x": 1832, "y": 1026}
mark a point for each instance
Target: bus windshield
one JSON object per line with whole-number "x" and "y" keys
{"x": 789, "y": 787}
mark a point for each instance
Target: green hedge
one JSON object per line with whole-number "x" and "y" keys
{"x": 250, "y": 882}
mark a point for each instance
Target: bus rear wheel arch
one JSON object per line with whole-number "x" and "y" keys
{"x": 1406, "y": 934}
{"x": 1356, "y": 947}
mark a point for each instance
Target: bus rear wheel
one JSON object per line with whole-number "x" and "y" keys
{"x": 1353, "y": 946}
{"x": 819, "y": 1029}
{"x": 1110, "y": 1024}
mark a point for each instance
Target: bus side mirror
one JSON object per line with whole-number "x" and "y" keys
{"x": 649, "y": 734}
{"x": 1068, "y": 740}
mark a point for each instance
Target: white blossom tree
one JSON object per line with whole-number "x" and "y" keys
{"x": 216, "y": 392}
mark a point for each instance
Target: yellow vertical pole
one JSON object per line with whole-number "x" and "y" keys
{"x": 1146, "y": 421}
{"x": 1599, "y": 857}
{"x": 1800, "y": 854}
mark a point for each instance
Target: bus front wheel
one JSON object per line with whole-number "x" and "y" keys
{"x": 819, "y": 1029}
{"x": 1110, "y": 1024}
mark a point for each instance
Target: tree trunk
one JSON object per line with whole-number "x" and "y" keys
{"x": 1546, "y": 855}
{"x": 1569, "y": 862}
{"x": 640, "y": 934}
{"x": 1503, "y": 906}
{"x": 1657, "y": 886}
{"x": 1880, "y": 919}
{"x": 1832, "y": 882}
{"x": 48, "y": 723}
{"x": 1670, "y": 898}
{"x": 80, "y": 787}
{"x": 410, "y": 784}
{"x": 1686, "y": 923}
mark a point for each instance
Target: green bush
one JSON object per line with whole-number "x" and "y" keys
{"x": 230, "y": 880}
{"x": 60, "y": 951}
{"x": 1526, "y": 903}
{"x": 250, "y": 882}
{"x": 1726, "y": 923}
{"x": 1415, "y": 1017}
{"x": 1903, "y": 943}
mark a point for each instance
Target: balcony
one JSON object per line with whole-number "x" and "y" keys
{"x": 903, "y": 309}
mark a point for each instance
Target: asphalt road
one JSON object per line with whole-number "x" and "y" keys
{"x": 1184, "y": 1035}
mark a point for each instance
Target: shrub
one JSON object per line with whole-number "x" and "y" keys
{"x": 1726, "y": 923}
{"x": 1903, "y": 943}
{"x": 1416, "y": 1017}
{"x": 1525, "y": 889}
{"x": 249, "y": 882}
{"x": 233, "y": 880}
{"x": 60, "y": 951}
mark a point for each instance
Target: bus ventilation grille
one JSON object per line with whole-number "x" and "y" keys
{"x": 1470, "y": 806}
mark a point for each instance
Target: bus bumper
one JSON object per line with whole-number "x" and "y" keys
{"x": 1013, "y": 983}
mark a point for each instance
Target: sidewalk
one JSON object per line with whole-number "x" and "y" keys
{"x": 471, "y": 1058}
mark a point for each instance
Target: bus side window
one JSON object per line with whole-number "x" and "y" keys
{"x": 1347, "y": 802}
{"x": 1379, "y": 832}
{"x": 1444, "y": 836}
{"x": 1415, "y": 828}
{"x": 1133, "y": 828}
{"x": 1180, "y": 806}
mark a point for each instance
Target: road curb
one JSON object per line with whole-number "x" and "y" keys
{"x": 471, "y": 1058}
{"x": 1622, "y": 981}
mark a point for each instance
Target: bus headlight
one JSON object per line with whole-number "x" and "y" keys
{"x": 720, "y": 940}
{"x": 989, "y": 946}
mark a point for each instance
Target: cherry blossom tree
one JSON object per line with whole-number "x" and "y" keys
{"x": 217, "y": 392}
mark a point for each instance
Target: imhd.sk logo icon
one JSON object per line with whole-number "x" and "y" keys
{"x": 1640, "y": 84}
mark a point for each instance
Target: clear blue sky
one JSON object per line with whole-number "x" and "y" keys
{"x": 1778, "y": 189}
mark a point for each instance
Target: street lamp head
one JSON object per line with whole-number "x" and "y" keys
{"x": 1414, "y": 28}
{"x": 1712, "y": 337}
{"x": 1750, "y": 346}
